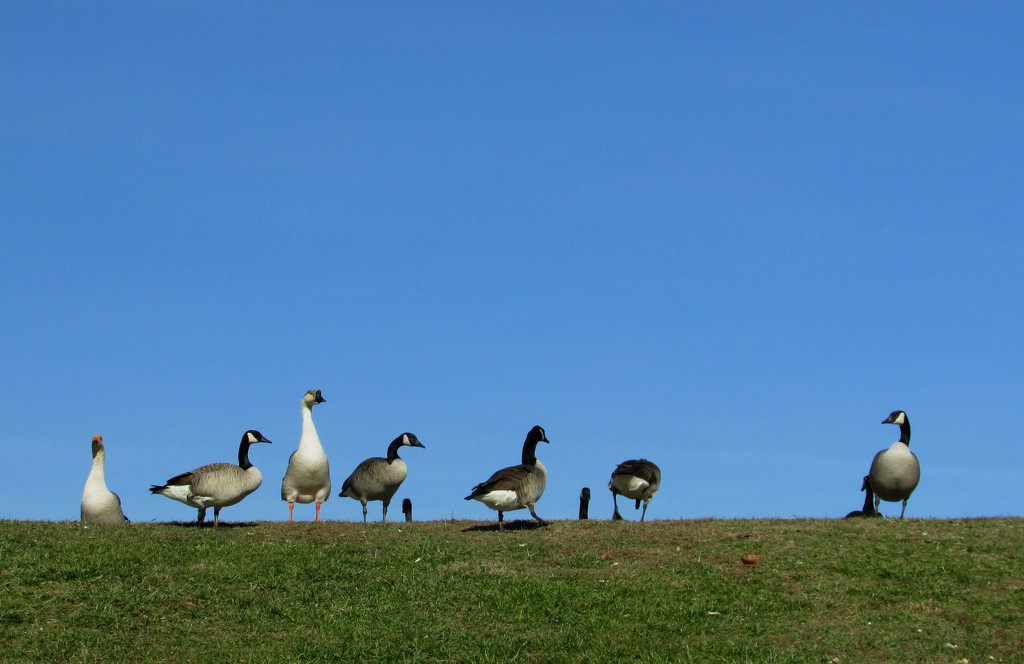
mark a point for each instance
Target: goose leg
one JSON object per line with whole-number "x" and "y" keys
{"x": 318, "y": 512}
{"x": 291, "y": 506}
{"x": 202, "y": 515}
{"x": 904, "y": 509}
{"x": 539, "y": 520}
{"x": 364, "y": 511}
{"x": 644, "y": 513}
{"x": 877, "y": 500}
{"x": 615, "y": 500}
{"x": 501, "y": 519}
{"x": 384, "y": 519}
{"x": 216, "y": 517}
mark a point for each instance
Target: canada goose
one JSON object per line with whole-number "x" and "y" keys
{"x": 378, "y": 478}
{"x": 895, "y": 472}
{"x": 516, "y": 487}
{"x": 584, "y": 503}
{"x": 638, "y": 479}
{"x": 100, "y": 504}
{"x": 869, "y": 508}
{"x": 407, "y": 509}
{"x": 308, "y": 477}
{"x": 216, "y": 485}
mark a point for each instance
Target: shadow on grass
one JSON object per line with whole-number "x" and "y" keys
{"x": 209, "y": 524}
{"x": 519, "y": 524}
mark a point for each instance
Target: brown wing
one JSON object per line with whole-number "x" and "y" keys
{"x": 641, "y": 468}
{"x": 506, "y": 479}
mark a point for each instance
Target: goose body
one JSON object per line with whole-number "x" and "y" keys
{"x": 100, "y": 504}
{"x": 308, "y": 478}
{"x": 869, "y": 496}
{"x": 378, "y": 478}
{"x": 216, "y": 485}
{"x": 895, "y": 471}
{"x": 638, "y": 479}
{"x": 516, "y": 487}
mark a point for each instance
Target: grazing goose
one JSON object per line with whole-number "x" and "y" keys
{"x": 869, "y": 508}
{"x": 100, "y": 504}
{"x": 308, "y": 478}
{"x": 638, "y": 479}
{"x": 895, "y": 472}
{"x": 216, "y": 485}
{"x": 516, "y": 487}
{"x": 378, "y": 478}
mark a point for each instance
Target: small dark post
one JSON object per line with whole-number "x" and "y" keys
{"x": 407, "y": 509}
{"x": 584, "y": 503}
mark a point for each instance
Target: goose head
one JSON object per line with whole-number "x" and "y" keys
{"x": 899, "y": 418}
{"x": 312, "y": 398}
{"x": 409, "y": 440}
{"x": 251, "y": 437}
{"x": 97, "y": 445}
{"x": 864, "y": 485}
{"x": 896, "y": 417}
{"x": 537, "y": 435}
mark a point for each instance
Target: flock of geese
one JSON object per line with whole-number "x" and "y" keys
{"x": 893, "y": 476}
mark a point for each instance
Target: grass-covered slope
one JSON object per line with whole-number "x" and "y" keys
{"x": 664, "y": 591}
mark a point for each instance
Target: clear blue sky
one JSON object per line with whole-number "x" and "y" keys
{"x": 727, "y": 237}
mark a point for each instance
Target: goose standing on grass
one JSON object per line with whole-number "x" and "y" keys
{"x": 638, "y": 479}
{"x": 308, "y": 478}
{"x": 516, "y": 487}
{"x": 869, "y": 496}
{"x": 895, "y": 472}
{"x": 378, "y": 478}
{"x": 100, "y": 504}
{"x": 216, "y": 485}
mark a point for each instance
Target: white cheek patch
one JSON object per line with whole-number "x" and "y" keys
{"x": 900, "y": 419}
{"x": 251, "y": 438}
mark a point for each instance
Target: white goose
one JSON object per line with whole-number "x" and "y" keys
{"x": 896, "y": 471}
{"x": 100, "y": 504}
{"x": 516, "y": 487}
{"x": 216, "y": 485}
{"x": 308, "y": 478}
{"x": 378, "y": 478}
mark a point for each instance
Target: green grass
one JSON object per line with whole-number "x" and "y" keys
{"x": 876, "y": 590}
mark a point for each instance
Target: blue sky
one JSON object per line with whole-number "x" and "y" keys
{"x": 727, "y": 237}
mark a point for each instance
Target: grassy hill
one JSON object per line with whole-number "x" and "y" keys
{"x": 459, "y": 591}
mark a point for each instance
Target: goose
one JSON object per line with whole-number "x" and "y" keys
{"x": 638, "y": 479}
{"x": 869, "y": 508}
{"x": 516, "y": 487}
{"x": 100, "y": 504}
{"x": 308, "y": 478}
{"x": 216, "y": 485}
{"x": 585, "y": 503}
{"x": 895, "y": 471}
{"x": 378, "y": 478}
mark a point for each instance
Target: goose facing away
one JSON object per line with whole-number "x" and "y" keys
{"x": 638, "y": 479}
{"x": 895, "y": 471}
{"x": 378, "y": 478}
{"x": 100, "y": 504}
{"x": 869, "y": 496}
{"x": 516, "y": 487}
{"x": 308, "y": 478}
{"x": 216, "y": 485}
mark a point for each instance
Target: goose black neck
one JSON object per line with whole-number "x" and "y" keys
{"x": 393, "y": 449}
{"x": 905, "y": 431}
{"x": 869, "y": 498}
{"x": 530, "y": 452}
{"x": 243, "y": 453}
